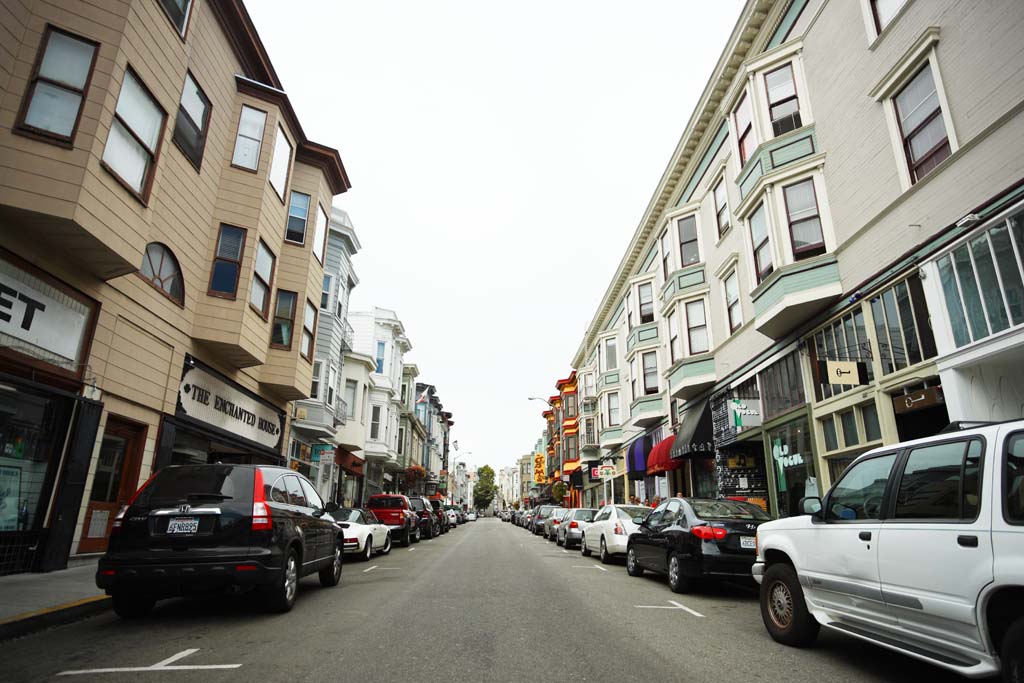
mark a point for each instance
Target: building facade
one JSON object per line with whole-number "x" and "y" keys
{"x": 160, "y": 291}
{"x": 831, "y": 260}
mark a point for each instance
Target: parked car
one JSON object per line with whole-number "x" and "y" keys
{"x": 528, "y": 520}
{"x": 364, "y": 534}
{"x": 425, "y": 513}
{"x": 608, "y": 534}
{"x": 471, "y": 516}
{"x": 570, "y": 531}
{"x": 552, "y": 523}
{"x": 917, "y": 548}
{"x": 541, "y": 513}
{"x": 453, "y": 517}
{"x": 440, "y": 515}
{"x": 695, "y": 538}
{"x": 227, "y": 526}
{"x": 395, "y": 511}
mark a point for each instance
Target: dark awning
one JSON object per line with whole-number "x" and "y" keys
{"x": 694, "y": 439}
{"x": 636, "y": 457}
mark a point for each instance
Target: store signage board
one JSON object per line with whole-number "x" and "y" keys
{"x": 917, "y": 400}
{"x": 745, "y": 413}
{"x": 32, "y": 316}
{"x": 321, "y": 451}
{"x": 539, "y": 475}
{"x": 205, "y": 397}
{"x": 607, "y": 470}
{"x": 845, "y": 372}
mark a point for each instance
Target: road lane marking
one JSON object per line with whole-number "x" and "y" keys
{"x": 365, "y": 571}
{"x": 163, "y": 665}
{"x": 597, "y": 566}
{"x": 673, "y": 605}
{"x": 586, "y": 566}
{"x": 684, "y": 607}
{"x": 411, "y": 549}
{"x": 565, "y": 551}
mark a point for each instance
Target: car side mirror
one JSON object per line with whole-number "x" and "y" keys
{"x": 318, "y": 512}
{"x": 811, "y": 505}
{"x": 639, "y": 519}
{"x": 331, "y": 507}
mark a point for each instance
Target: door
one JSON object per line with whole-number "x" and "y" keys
{"x": 660, "y": 536}
{"x": 323, "y": 523}
{"x": 935, "y": 556}
{"x": 839, "y": 567}
{"x": 114, "y": 481}
{"x": 594, "y": 531}
{"x": 643, "y": 542}
{"x": 304, "y": 520}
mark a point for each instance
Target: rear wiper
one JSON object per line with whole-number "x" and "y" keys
{"x": 215, "y": 496}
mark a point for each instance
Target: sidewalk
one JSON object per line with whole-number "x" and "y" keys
{"x": 30, "y": 602}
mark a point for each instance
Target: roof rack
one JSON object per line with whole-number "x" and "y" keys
{"x": 961, "y": 425}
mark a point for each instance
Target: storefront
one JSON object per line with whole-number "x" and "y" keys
{"x": 692, "y": 452}
{"x": 740, "y": 466}
{"x": 47, "y": 427}
{"x": 351, "y": 473}
{"x": 643, "y": 486}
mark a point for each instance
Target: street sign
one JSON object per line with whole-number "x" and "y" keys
{"x": 607, "y": 470}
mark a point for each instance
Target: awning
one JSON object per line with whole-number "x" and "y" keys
{"x": 352, "y": 464}
{"x": 576, "y": 479}
{"x": 570, "y": 466}
{"x": 636, "y": 458}
{"x": 694, "y": 438}
{"x": 659, "y": 461}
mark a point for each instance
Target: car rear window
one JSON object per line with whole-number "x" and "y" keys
{"x": 436, "y": 504}
{"x": 385, "y": 502}
{"x": 417, "y": 504}
{"x": 1013, "y": 479}
{"x": 202, "y": 483}
{"x": 584, "y": 515}
{"x": 727, "y": 509}
{"x": 631, "y": 511}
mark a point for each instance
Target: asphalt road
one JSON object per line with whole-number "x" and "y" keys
{"x": 486, "y": 602}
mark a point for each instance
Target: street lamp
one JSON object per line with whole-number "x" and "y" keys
{"x": 538, "y": 398}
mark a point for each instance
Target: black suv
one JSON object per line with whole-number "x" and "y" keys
{"x": 441, "y": 514}
{"x": 196, "y": 528}
{"x": 429, "y": 526}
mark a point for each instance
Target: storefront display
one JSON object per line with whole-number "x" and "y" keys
{"x": 739, "y": 462}
{"x": 792, "y": 465}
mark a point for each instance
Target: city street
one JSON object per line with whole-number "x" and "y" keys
{"x": 486, "y": 602}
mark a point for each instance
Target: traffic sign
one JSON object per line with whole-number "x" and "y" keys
{"x": 607, "y": 470}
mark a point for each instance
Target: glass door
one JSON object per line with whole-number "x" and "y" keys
{"x": 114, "y": 481}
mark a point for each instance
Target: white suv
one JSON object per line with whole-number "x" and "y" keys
{"x": 919, "y": 548}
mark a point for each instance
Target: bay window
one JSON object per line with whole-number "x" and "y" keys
{"x": 249, "y": 138}
{"x": 783, "y": 104}
{"x": 193, "y": 122}
{"x": 697, "y": 327}
{"x": 284, "y": 319}
{"x": 613, "y": 409}
{"x": 645, "y": 296}
{"x": 689, "y": 249}
{"x": 925, "y": 142}
{"x": 308, "y": 330}
{"x": 134, "y": 137}
{"x": 281, "y": 163}
{"x": 611, "y": 359}
{"x": 298, "y": 215}
{"x": 227, "y": 262}
{"x": 762, "y": 246}
{"x": 744, "y": 121}
{"x": 263, "y": 276}
{"x": 57, "y": 87}
{"x": 804, "y": 221}
{"x": 649, "y": 361}
{"x": 732, "y": 301}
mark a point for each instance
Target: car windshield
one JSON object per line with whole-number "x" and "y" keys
{"x": 348, "y": 515}
{"x": 727, "y": 509}
{"x": 198, "y": 484}
{"x": 385, "y": 502}
{"x": 584, "y": 515}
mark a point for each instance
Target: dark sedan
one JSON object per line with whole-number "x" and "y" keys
{"x": 695, "y": 538}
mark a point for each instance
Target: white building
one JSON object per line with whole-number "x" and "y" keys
{"x": 508, "y": 487}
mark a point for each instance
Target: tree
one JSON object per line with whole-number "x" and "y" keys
{"x": 485, "y": 490}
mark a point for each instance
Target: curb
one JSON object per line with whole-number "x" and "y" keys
{"x": 29, "y": 622}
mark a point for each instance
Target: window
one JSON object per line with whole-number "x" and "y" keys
{"x": 869, "y": 416}
{"x": 674, "y": 345}
{"x": 401, "y": 440}
{"x": 849, "y": 422}
{"x": 249, "y": 140}
{"x": 884, "y": 11}
{"x": 645, "y": 295}
{"x": 941, "y": 482}
{"x": 732, "y": 301}
{"x": 320, "y": 233}
{"x": 845, "y": 338}
{"x": 782, "y": 386}
{"x": 339, "y": 299}
{"x": 375, "y": 422}
{"x": 721, "y": 208}
{"x": 666, "y": 255}
{"x": 284, "y": 319}
{"x": 312, "y": 497}
{"x": 828, "y": 427}
{"x": 650, "y": 364}
{"x": 613, "y": 409}
{"x": 982, "y": 282}
{"x": 902, "y": 341}
{"x": 804, "y": 221}
{"x": 193, "y": 121}
{"x": 1013, "y": 480}
{"x": 689, "y": 251}
{"x": 762, "y": 247}
{"x": 783, "y": 105}
{"x": 634, "y": 378}
{"x": 571, "y": 452}
{"x": 858, "y": 495}
{"x": 743, "y": 119}
{"x": 325, "y": 294}
{"x": 350, "y": 397}
{"x": 697, "y": 327}
{"x": 160, "y": 269}
{"x": 611, "y": 360}
{"x": 308, "y": 330}
{"x": 314, "y": 391}
{"x": 134, "y": 137}
{"x": 177, "y": 12}
{"x": 295, "y": 494}
{"x": 925, "y": 142}
{"x": 570, "y": 405}
{"x": 263, "y": 276}
{"x": 57, "y": 88}
{"x": 380, "y": 357}
{"x": 298, "y": 213}
{"x": 332, "y": 381}
{"x": 281, "y": 163}
{"x": 227, "y": 262}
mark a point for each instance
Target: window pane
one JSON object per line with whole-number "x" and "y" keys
{"x": 849, "y": 421}
{"x": 1013, "y": 287}
{"x": 139, "y": 111}
{"x": 930, "y": 486}
{"x": 885, "y": 10}
{"x": 225, "y": 275}
{"x": 858, "y": 495}
{"x": 926, "y": 139}
{"x": 193, "y": 101}
{"x": 264, "y": 262}
{"x": 909, "y": 327}
{"x": 178, "y": 11}
{"x": 828, "y": 426}
{"x": 699, "y": 340}
{"x": 990, "y": 288}
{"x": 758, "y": 226}
{"x": 954, "y": 306}
{"x": 281, "y": 335}
{"x": 127, "y": 157}
{"x": 695, "y": 313}
{"x": 780, "y": 84}
{"x": 310, "y": 318}
{"x": 53, "y": 108}
{"x": 67, "y": 60}
{"x": 732, "y": 287}
{"x": 279, "y": 166}
{"x": 869, "y": 413}
{"x": 319, "y": 233}
{"x": 1013, "y": 478}
{"x": 971, "y": 490}
{"x": 230, "y": 244}
{"x": 258, "y": 295}
{"x": 807, "y": 234}
{"x": 917, "y": 100}
{"x": 743, "y": 114}
{"x": 800, "y": 200}
{"x": 298, "y": 210}
{"x": 285, "y": 304}
{"x": 972, "y": 298}
{"x": 899, "y": 351}
{"x": 251, "y": 123}
{"x": 247, "y": 153}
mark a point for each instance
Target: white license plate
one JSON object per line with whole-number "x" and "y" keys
{"x": 748, "y": 542}
{"x": 183, "y": 525}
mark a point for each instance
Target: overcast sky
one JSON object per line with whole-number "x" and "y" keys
{"x": 501, "y": 156}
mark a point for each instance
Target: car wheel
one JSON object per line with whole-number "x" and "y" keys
{"x": 584, "y": 549}
{"x": 1012, "y": 653}
{"x": 676, "y": 580}
{"x": 368, "y": 550}
{"x": 280, "y": 595}
{"x": 605, "y": 557}
{"x": 331, "y": 574}
{"x": 783, "y": 609}
{"x": 429, "y": 532}
{"x": 132, "y": 605}
{"x": 633, "y": 567}
{"x": 416, "y": 535}
{"x": 406, "y": 538}
{"x": 387, "y": 545}
{"x": 558, "y": 541}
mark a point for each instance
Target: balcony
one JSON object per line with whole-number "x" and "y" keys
{"x": 690, "y": 376}
{"x": 588, "y": 442}
{"x": 642, "y": 336}
{"x": 611, "y": 438}
{"x": 647, "y": 410}
{"x": 794, "y": 293}
{"x": 347, "y": 335}
{"x": 341, "y": 413}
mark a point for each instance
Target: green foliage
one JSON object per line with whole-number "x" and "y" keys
{"x": 485, "y": 490}
{"x": 558, "y": 491}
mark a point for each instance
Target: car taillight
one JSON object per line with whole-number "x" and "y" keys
{"x": 124, "y": 508}
{"x": 351, "y": 540}
{"x": 619, "y": 531}
{"x": 574, "y": 525}
{"x": 554, "y": 521}
{"x": 709, "y": 533}
{"x": 261, "y": 520}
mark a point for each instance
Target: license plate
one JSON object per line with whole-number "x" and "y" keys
{"x": 748, "y": 542}
{"x": 183, "y": 525}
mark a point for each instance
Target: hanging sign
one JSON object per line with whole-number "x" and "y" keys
{"x": 917, "y": 400}
{"x": 607, "y": 470}
{"x": 848, "y": 372}
{"x": 539, "y": 475}
{"x": 745, "y": 413}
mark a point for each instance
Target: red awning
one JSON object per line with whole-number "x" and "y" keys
{"x": 349, "y": 462}
{"x": 659, "y": 462}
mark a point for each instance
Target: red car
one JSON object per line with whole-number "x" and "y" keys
{"x": 396, "y": 512}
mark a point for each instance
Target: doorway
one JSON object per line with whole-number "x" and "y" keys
{"x": 114, "y": 482}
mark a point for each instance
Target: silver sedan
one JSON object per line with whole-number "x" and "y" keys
{"x": 570, "y": 531}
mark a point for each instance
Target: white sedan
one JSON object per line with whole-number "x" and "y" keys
{"x": 453, "y": 517}
{"x": 608, "y": 533}
{"x": 471, "y": 516}
{"x": 365, "y": 534}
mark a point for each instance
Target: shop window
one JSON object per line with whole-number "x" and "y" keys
{"x": 858, "y": 495}
{"x": 249, "y": 139}
{"x": 783, "y": 105}
{"x": 804, "y": 220}
{"x": 650, "y": 366}
{"x": 298, "y": 215}
{"x": 697, "y": 328}
{"x": 192, "y": 122}
{"x": 161, "y": 269}
{"x": 308, "y": 330}
{"x": 922, "y": 128}
{"x": 689, "y": 246}
{"x": 134, "y": 137}
{"x": 263, "y": 276}
{"x": 845, "y": 338}
{"x": 794, "y": 464}
{"x": 744, "y": 122}
{"x": 280, "y": 165}
{"x": 645, "y": 297}
{"x": 762, "y": 246}
{"x": 284, "y": 319}
{"x": 982, "y": 282}
{"x": 721, "y": 207}
{"x": 901, "y": 325}
{"x": 782, "y": 386}
{"x": 854, "y": 427}
{"x": 941, "y": 482}
{"x": 227, "y": 262}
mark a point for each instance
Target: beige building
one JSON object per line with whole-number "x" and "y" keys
{"x": 162, "y": 219}
{"x": 831, "y": 260}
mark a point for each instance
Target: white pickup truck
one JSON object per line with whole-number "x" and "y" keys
{"x": 918, "y": 547}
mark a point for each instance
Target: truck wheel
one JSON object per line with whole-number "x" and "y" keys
{"x": 784, "y": 610}
{"x": 1012, "y": 653}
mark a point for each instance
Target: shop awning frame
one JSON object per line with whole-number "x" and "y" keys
{"x": 694, "y": 438}
{"x": 659, "y": 461}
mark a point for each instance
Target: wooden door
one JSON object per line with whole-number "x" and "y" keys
{"x": 114, "y": 481}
